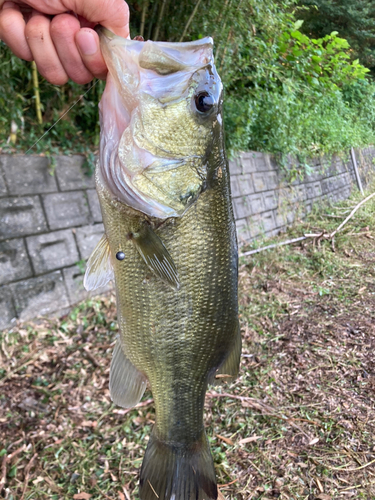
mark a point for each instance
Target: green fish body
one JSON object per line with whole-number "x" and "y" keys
{"x": 170, "y": 244}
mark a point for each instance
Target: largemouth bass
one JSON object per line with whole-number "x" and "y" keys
{"x": 170, "y": 244}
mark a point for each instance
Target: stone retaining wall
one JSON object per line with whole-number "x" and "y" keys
{"x": 50, "y": 220}
{"x": 265, "y": 203}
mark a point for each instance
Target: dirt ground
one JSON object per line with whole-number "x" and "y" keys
{"x": 299, "y": 423}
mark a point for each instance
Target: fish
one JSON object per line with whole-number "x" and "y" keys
{"x": 170, "y": 245}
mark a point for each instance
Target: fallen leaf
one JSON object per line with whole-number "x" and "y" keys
{"x": 89, "y": 423}
{"x": 82, "y": 496}
{"x": 121, "y": 495}
{"x": 249, "y": 439}
{"x": 302, "y": 465}
{"x": 323, "y": 496}
{"x": 226, "y": 440}
{"x": 126, "y": 493}
{"x": 39, "y": 479}
{"x": 313, "y": 441}
{"x": 220, "y": 496}
{"x": 321, "y": 489}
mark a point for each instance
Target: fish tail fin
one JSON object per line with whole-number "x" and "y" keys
{"x": 178, "y": 472}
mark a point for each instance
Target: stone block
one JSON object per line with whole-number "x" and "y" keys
{"x": 298, "y": 193}
{"x": 256, "y": 202}
{"x": 315, "y": 189}
{"x": 87, "y": 238}
{"x": 254, "y": 223}
{"x": 272, "y": 233}
{"x": 245, "y": 183}
{"x": 28, "y": 174}
{"x": 264, "y": 181}
{"x": 255, "y": 162}
{"x": 326, "y": 185}
{"x": 21, "y": 216}
{"x": 73, "y": 277}
{"x": 270, "y": 200}
{"x": 234, "y": 187}
{"x": 70, "y": 174}
{"x": 261, "y": 223}
{"x": 3, "y": 187}
{"x": 235, "y": 166}
{"x": 40, "y": 296}
{"x": 242, "y": 207}
{"x": 248, "y": 163}
{"x": 14, "y": 261}
{"x": 7, "y": 309}
{"x": 284, "y": 217}
{"x": 52, "y": 250}
{"x": 94, "y": 205}
{"x": 243, "y": 233}
{"x": 341, "y": 166}
{"x": 308, "y": 207}
{"x": 66, "y": 209}
{"x": 268, "y": 221}
{"x": 247, "y": 205}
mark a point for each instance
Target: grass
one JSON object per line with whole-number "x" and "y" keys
{"x": 299, "y": 423}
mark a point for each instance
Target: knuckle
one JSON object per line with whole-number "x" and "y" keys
{"x": 36, "y": 28}
{"x": 56, "y": 78}
{"x": 81, "y": 79}
{"x": 53, "y": 73}
{"x": 63, "y": 25}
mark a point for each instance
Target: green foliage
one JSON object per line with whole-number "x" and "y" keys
{"x": 285, "y": 92}
{"x": 354, "y": 21}
{"x": 303, "y": 96}
{"x": 76, "y": 131}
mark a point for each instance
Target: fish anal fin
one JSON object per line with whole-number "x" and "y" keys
{"x": 99, "y": 268}
{"x": 126, "y": 383}
{"x": 156, "y": 256}
{"x": 228, "y": 371}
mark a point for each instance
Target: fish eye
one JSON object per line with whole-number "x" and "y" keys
{"x": 204, "y": 102}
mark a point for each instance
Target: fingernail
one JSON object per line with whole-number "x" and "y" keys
{"x": 87, "y": 43}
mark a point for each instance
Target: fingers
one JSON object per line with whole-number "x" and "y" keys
{"x": 43, "y": 50}
{"x": 61, "y": 48}
{"x": 12, "y": 30}
{"x": 63, "y": 30}
{"x": 112, "y": 14}
{"x": 87, "y": 41}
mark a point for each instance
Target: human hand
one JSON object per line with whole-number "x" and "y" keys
{"x": 58, "y": 35}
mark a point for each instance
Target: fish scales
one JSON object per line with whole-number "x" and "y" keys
{"x": 173, "y": 253}
{"x": 174, "y": 333}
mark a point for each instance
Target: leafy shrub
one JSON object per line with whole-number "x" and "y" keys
{"x": 285, "y": 93}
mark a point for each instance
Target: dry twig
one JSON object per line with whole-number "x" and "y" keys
{"x": 318, "y": 237}
{"x": 6, "y": 459}
{"x": 27, "y": 475}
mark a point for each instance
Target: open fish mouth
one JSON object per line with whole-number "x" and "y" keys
{"x": 159, "y": 113}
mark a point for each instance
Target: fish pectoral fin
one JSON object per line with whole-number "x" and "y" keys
{"x": 99, "y": 268}
{"x": 156, "y": 256}
{"x": 228, "y": 371}
{"x": 126, "y": 383}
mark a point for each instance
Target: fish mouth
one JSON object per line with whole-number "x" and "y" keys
{"x": 159, "y": 179}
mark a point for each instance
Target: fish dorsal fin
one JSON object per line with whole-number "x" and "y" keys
{"x": 228, "y": 371}
{"x": 126, "y": 383}
{"x": 156, "y": 256}
{"x": 99, "y": 269}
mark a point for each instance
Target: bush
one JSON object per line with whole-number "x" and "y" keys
{"x": 285, "y": 93}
